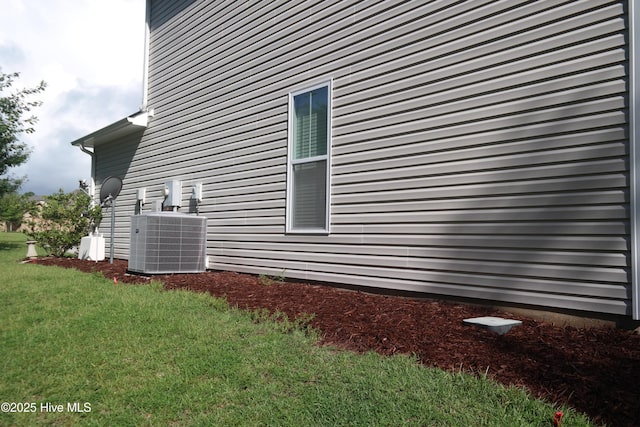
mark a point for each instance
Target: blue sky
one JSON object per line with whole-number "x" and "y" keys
{"x": 90, "y": 53}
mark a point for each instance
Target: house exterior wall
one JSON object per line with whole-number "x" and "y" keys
{"x": 114, "y": 159}
{"x": 479, "y": 148}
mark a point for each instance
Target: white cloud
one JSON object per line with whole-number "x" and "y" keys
{"x": 90, "y": 54}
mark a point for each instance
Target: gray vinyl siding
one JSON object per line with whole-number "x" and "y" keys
{"x": 114, "y": 159}
{"x": 479, "y": 148}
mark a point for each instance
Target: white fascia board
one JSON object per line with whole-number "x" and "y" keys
{"x": 116, "y": 130}
{"x": 634, "y": 152}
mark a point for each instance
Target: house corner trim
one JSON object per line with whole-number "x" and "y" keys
{"x": 634, "y": 153}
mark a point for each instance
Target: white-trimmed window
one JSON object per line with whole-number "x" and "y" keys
{"x": 309, "y": 160}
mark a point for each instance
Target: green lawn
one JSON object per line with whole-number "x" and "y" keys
{"x": 138, "y": 355}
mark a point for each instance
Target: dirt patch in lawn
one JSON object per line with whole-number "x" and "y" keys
{"x": 594, "y": 370}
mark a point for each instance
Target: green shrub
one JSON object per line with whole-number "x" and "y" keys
{"x": 62, "y": 220}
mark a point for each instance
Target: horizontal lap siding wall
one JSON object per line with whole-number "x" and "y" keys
{"x": 113, "y": 159}
{"x": 479, "y": 148}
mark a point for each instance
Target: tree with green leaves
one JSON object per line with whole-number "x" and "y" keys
{"x": 13, "y": 207}
{"x": 62, "y": 220}
{"x": 14, "y": 121}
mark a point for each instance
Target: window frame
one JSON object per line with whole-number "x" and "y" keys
{"x": 291, "y": 162}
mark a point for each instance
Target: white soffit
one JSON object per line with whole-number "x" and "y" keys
{"x": 120, "y": 129}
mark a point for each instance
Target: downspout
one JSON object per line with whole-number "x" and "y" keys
{"x": 92, "y": 182}
{"x": 634, "y": 154}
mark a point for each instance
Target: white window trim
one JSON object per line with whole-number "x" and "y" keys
{"x": 291, "y": 162}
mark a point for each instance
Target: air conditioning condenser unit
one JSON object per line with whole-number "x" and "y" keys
{"x": 167, "y": 242}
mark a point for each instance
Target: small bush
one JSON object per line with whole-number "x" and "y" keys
{"x": 59, "y": 224}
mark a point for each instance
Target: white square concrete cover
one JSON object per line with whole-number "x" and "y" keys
{"x": 494, "y": 324}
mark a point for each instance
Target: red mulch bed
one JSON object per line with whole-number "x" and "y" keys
{"x": 594, "y": 370}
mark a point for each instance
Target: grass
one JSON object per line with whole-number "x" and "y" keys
{"x": 138, "y": 355}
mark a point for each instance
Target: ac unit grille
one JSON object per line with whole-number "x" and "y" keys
{"x": 167, "y": 242}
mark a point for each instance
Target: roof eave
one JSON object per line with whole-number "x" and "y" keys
{"x": 120, "y": 129}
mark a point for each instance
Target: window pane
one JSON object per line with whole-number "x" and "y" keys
{"x": 310, "y": 115}
{"x": 309, "y": 195}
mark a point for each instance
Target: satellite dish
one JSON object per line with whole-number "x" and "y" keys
{"x": 110, "y": 189}
{"x": 108, "y": 192}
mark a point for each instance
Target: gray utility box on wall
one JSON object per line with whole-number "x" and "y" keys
{"x": 168, "y": 242}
